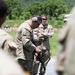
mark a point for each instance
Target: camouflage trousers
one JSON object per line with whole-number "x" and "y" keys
{"x": 45, "y": 58}
{"x": 26, "y": 65}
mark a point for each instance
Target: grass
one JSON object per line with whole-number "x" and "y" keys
{"x": 54, "y": 43}
{"x": 13, "y": 34}
{"x": 54, "y": 23}
{"x": 11, "y": 23}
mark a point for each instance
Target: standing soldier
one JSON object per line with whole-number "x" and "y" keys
{"x": 66, "y": 53}
{"x": 41, "y": 40}
{"x": 24, "y": 40}
{"x": 6, "y": 41}
{"x": 7, "y": 65}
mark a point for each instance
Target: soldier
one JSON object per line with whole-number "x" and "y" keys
{"x": 41, "y": 40}
{"x": 65, "y": 58}
{"x": 7, "y": 65}
{"x": 6, "y": 41}
{"x": 24, "y": 40}
{"x": 61, "y": 51}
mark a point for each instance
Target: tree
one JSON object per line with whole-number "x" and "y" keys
{"x": 54, "y": 8}
{"x": 14, "y": 9}
{"x": 35, "y": 8}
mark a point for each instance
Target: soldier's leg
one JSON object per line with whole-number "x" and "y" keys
{"x": 35, "y": 68}
{"x": 45, "y": 58}
{"x": 42, "y": 70}
{"x": 26, "y": 65}
{"x": 35, "y": 65}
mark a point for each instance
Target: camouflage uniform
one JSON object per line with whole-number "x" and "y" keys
{"x": 8, "y": 66}
{"x": 7, "y": 43}
{"x": 66, "y": 53}
{"x": 25, "y": 50}
{"x": 41, "y": 40}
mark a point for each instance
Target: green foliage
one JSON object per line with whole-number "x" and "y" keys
{"x": 24, "y": 9}
{"x": 53, "y": 8}
{"x": 61, "y": 17}
{"x": 35, "y": 8}
{"x": 56, "y": 23}
{"x": 13, "y": 34}
{"x": 54, "y": 43}
{"x": 25, "y": 15}
{"x": 70, "y": 4}
{"x": 14, "y": 9}
{"x": 11, "y": 23}
{"x": 26, "y": 3}
{"x": 59, "y": 24}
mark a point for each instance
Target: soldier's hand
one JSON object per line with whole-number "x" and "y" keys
{"x": 37, "y": 50}
{"x": 59, "y": 72}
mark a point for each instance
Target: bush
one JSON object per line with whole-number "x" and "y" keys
{"x": 60, "y": 17}
{"x": 59, "y": 24}
{"x": 56, "y": 23}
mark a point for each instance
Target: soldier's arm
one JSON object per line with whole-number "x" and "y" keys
{"x": 49, "y": 32}
{"x": 37, "y": 35}
{"x": 27, "y": 41}
{"x": 61, "y": 50}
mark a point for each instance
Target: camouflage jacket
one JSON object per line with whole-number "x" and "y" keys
{"x": 24, "y": 42}
{"x": 65, "y": 56}
{"x": 7, "y": 43}
{"x": 41, "y": 36}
